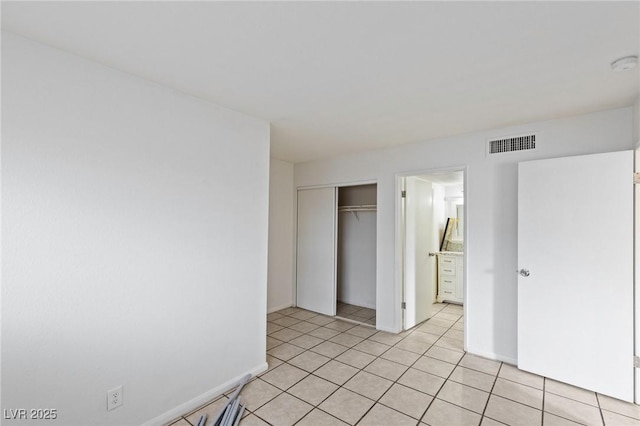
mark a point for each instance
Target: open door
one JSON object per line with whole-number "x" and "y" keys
{"x": 419, "y": 268}
{"x": 575, "y": 260}
{"x": 316, "y": 250}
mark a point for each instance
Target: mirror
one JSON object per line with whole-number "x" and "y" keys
{"x": 453, "y": 237}
{"x": 459, "y": 222}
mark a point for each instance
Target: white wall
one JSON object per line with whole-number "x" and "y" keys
{"x": 490, "y": 204}
{"x": 134, "y": 246}
{"x": 281, "y": 255}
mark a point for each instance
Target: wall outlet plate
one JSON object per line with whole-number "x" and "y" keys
{"x": 115, "y": 398}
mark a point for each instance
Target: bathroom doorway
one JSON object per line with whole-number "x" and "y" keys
{"x": 432, "y": 253}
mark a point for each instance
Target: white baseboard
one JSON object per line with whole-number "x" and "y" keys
{"x": 279, "y": 308}
{"x": 494, "y": 356}
{"x": 200, "y": 400}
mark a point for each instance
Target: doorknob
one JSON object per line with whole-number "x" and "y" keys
{"x": 524, "y": 272}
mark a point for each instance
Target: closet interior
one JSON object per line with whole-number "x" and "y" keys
{"x": 356, "y": 253}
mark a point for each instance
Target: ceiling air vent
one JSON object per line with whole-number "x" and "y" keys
{"x": 515, "y": 143}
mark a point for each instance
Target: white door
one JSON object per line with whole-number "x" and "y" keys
{"x": 575, "y": 243}
{"x": 420, "y": 268}
{"x": 316, "y": 250}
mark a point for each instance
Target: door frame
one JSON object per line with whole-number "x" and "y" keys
{"x": 400, "y": 238}
{"x": 636, "y": 270}
{"x": 294, "y": 289}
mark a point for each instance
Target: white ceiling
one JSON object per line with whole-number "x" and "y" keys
{"x": 341, "y": 77}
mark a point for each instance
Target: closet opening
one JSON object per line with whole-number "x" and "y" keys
{"x": 356, "y": 254}
{"x": 432, "y": 252}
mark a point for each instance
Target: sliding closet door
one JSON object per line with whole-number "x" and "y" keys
{"x": 316, "y": 250}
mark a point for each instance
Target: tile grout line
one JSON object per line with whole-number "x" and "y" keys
{"x": 334, "y": 358}
{"x": 565, "y": 396}
{"x": 294, "y": 396}
{"x": 377, "y": 401}
{"x": 311, "y": 373}
{"x": 294, "y": 384}
{"x": 445, "y": 381}
{"x": 600, "y": 408}
{"x": 544, "y": 396}
{"x": 362, "y": 369}
{"x": 404, "y": 335}
{"x": 322, "y": 378}
{"x": 315, "y": 406}
{"x": 414, "y": 329}
{"x": 570, "y": 399}
{"x": 491, "y": 393}
{"x": 521, "y": 403}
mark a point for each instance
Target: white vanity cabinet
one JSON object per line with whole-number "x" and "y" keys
{"x": 450, "y": 277}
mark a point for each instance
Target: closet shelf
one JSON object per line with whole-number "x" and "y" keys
{"x": 363, "y": 208}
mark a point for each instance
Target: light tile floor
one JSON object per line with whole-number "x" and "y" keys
{"x": 356, "y": 313}
{"x": 324, "y": 371}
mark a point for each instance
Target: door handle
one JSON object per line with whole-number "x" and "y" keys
{"x": 524, "y": 272}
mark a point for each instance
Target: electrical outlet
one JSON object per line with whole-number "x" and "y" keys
{"x": 115, "y": 398}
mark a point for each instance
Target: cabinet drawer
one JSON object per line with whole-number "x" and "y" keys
{"x": 447, "y": 269}
{"x": 446, "y": 285}
{"x": 446, "y": 294}
{"x": 447, "y": 261}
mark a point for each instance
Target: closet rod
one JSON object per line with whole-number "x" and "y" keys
{"x": 366, "y": 208}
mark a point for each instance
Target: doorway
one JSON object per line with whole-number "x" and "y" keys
{"x": 432, "y": 250}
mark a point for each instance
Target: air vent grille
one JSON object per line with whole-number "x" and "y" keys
{"x": 516, "y": 143}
